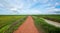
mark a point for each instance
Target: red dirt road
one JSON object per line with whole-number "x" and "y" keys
{"x": 27, "y": 27}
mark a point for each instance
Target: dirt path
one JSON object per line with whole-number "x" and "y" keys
{"x": 27, "y": 27}
{"x": 52, "y": 23}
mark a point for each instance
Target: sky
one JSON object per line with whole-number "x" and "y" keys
{"x": 29, "y": 7}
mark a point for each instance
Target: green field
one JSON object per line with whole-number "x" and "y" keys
{"x": 45, "y": 27}
{"x": 9, "y": 23}
{"x": 51, "y": 17}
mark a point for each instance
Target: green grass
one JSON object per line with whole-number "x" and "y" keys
{"x": 51, "y": 17}
{"x": 47, "y": 28}
{"x": 7, "y": 20}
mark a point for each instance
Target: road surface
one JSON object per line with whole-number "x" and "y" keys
{"x": 27, "y": 27}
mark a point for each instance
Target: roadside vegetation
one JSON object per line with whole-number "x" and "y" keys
{"x": 47, "y": 28}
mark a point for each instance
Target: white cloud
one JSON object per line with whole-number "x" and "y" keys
{"x": 29, "y": 12}
{"x": 57, "y": 3}
{"x": 52, "y": 9}
{"x": 43, "y": 1}
{"x": 56, "y": 9}
{"x": 35, "y": 12}
{"x": 25, "y": 6}
{"x": 35, "y": 0}
{"x": 1, "y": 5}
{"x": 14, "y": 9}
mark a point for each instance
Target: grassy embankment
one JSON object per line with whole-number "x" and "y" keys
{"x": 47, "y": 28}
{"x": 9, "y": 23}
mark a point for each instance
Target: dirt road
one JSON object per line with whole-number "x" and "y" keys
{"x": 27, "y": 27}
{"x": 52, "y": 23}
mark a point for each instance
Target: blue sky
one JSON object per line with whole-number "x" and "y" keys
{"x": 29, "y": 7}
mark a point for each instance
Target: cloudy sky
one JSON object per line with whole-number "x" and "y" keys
{"x": 30, "y": 7}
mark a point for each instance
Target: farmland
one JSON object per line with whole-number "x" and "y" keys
{"x": 55, "y": 18}
{"x": 7, "y": 23}
{"x": 10, "y": 23}
{"x": 45, "y": 27}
